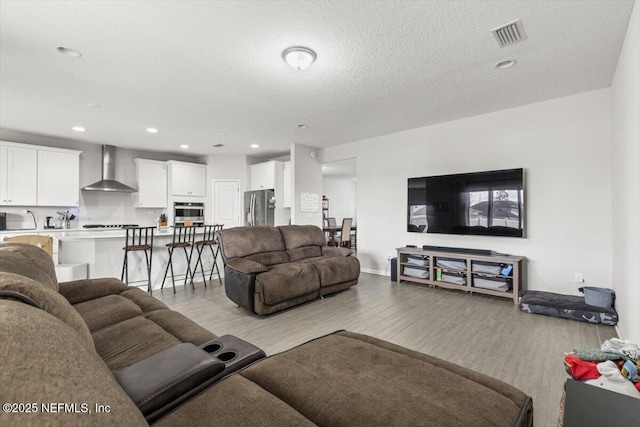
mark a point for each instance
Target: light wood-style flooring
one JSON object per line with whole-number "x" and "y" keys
{"x": 488, "y": 334}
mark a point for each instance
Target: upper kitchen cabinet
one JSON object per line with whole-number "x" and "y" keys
{"x": 266, "y": 175}
{"x": 152, "y": 184}
{"x": 58, "y": 178}
{"x": 187, "y": 179}
{"x": 18, "y": 175}
{"x": 32, "y": 175}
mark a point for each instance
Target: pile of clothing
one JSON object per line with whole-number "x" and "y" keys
{"x": 614, "y": 366}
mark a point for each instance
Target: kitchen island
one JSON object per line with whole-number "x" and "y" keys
{"x": 102, "y": 251}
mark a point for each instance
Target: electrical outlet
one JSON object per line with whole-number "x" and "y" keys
{"x": 578, "y": 277}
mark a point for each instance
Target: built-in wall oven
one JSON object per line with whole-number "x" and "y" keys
{"x": 188, "y": 213}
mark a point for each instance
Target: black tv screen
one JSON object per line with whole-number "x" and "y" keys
{"x": 481, "y": 203}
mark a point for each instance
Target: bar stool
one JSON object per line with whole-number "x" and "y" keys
{"x": 208, "y": 239}
{"x": 183, "y": 237}
{"x": 138, "y": 239}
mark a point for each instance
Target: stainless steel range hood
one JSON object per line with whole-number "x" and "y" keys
{"x": 108, "y": 181}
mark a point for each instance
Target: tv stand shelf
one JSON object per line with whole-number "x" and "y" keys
{"x": 468, "y": 274}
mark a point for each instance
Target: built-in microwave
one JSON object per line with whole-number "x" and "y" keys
{"x": 185, "y": 213}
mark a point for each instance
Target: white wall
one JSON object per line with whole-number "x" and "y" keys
{"x": 564, "y": 146}
{"x": 341, "y": 193}
{"x": 625, "y": 124}
{"x": 94, "y": 206}
{"x": 307, "y": 178}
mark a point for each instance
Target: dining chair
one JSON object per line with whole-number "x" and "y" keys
{"x": 345, "y": 234}
{"x": 331, "y": 222}
{"x": 44, "y": 242}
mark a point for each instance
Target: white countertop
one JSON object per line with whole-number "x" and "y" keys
{"x": 88, "y": 233}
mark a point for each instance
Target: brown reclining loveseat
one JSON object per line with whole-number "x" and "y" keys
{"x": 77, "y": 364}
{"x": 268, "y": 269}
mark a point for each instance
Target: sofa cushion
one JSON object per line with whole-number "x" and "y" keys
{"x": 143, "y": 300}
{"x": 235, "y": 401}
{"x": 90, "y": 289}
{"x": 180, "y": 326}
{"x": 106, "y": 311}
{"x": 130, "y": 341}
{"x": 297, "y": 236}
{"x": 49, "y": 300}
{"x": 304, "y": 252}
{"x": 344, "y": 377}
{"x": 46, "y": 362}
{"x": 334, "y": 270}
{"x": 242, "y": 241}
{"x": 286, "y": 281}
{"x": 269, "y": 258}
{"x": 29, "y": 261}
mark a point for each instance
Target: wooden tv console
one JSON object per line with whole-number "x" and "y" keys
{"x": 468, "y": 273}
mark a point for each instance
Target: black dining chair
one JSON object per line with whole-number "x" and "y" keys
{"x": 209, "y": 240}
{"x": 183, "y": 237}
{"x": 138, "y": 239}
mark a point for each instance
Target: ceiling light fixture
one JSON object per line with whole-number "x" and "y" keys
{"x": 184, "y": 146}
{"x": 78, "y": 128}
{"x": 223, "y": 134}
{"x": 152, "y": 130}
{"x": 303, "y": 126}
{"x": 255, "y": 146}
{"x": 299, "y": 57}
{"x": 505, "y": 64}
{"x": 94, "y": 105}
{"x": 69, "y": 52}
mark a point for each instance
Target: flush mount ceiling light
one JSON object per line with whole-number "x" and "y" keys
{"x": 153, "y": 130}
{"x": 78, "y": 128}
{"x": 184, "y": 146}
{"x": 505, "y": 64}
{"x": 69, "y": 52}
{"x": 255, "y": 146}
{"x": 299, "y": 57}
{"x": 303, "y": 126}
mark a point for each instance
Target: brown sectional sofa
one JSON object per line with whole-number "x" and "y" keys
{"x": 268, "y": 269}
{"x": 65, "y": 364}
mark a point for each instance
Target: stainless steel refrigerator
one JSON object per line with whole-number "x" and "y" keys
{"x": 259, "y": 207}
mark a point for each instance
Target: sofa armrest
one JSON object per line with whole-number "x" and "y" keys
{"x": 246, "y": 266}
{"x": 335, "y": 251}
{"x": 87, "y": 289}
{"x": 155, "y": 382}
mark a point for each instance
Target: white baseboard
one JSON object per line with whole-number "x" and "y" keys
{"x": 378, "y": 272}
{"x": 619, "y": 331}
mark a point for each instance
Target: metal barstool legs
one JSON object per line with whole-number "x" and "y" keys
{"x": 138, "y": 239}
{"x": 183, "y": 237}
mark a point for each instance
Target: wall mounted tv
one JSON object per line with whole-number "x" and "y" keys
{"x": 482, "y": 203}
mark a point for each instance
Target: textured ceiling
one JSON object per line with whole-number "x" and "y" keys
{"x": 197, "y": 69}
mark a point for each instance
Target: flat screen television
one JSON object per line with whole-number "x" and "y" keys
{"x": 482, "y": 203}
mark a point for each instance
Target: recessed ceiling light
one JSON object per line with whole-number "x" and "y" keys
{"x": 78, "y": 128}
{"x": 303, "y": 126}
{"x": 69, "y": 52}
{"x": 184, "y": 146}
{"x": 255, "y": 146}
{"x": 223, "y": 134}
{"x": 299, "y": 57}
{"x": 505, "y": 64}
{"x": 152, "y": 130}
{"x": 94, "y": 105}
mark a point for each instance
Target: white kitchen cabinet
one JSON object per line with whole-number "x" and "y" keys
{"x": 58, "y": 178}
{"x": 152, "y": 184}
{"x": 263, "y": 175}
{"x": 18, "y": 175}
{"x": 187, "y": 179}
{"x": 287, "y": 185}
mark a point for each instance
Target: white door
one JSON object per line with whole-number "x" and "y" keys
{"x": 226, "y": 203}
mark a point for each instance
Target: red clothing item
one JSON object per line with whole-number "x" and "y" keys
{"x": 637, "y": 385}
{"x": 581, "y": 369}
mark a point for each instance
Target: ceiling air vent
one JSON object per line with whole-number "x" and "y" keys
{"x": 510, "y": 33}
{"x": 218, "y": 145}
